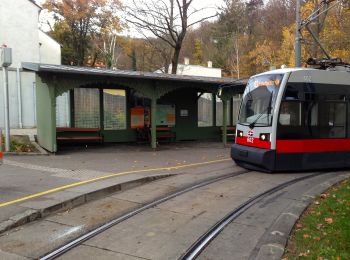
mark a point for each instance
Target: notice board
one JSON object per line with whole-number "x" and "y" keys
{"x": 165, "y": 115}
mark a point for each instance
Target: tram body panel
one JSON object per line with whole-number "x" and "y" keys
{"x": 309, "y": 127}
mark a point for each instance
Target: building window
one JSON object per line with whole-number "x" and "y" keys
{"x": 219, "y": 112}
{"x": 205, "y": 110}
{"x": 87, "y": 108}
{"x": 114, "y": 105}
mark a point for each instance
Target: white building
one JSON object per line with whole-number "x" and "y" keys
{"x": 197, "y": 70}
{"x": 19, "y": 20}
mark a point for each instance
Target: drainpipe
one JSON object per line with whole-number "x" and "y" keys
{"x": 34, "y": 103}
{"x": 19, "y": 95}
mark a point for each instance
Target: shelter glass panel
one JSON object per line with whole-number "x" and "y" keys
{"x": 219, "y": 112}
{"x": 63, "y": 110}
{"x": 205, "y": 110}
{"x": 114, "y": 105}
{"x": 87, "y": 107}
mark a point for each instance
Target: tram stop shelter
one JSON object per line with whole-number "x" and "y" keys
{"x": 119, "y": 104}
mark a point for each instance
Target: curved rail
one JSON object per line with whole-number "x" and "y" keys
{"x": 205, "y": 240}
{"x": 74, "y": 243}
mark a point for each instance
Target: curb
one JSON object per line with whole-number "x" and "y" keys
{"x": 30, "y": 215}
{"x": 274, "y": 241}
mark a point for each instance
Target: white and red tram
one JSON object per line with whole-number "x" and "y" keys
{"x": 293, "y": 120}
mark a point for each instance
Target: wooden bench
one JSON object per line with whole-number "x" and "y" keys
{"x": 164, "y": 133}
{"x": 76, "y": 134}
{"x": 230, "y": 133}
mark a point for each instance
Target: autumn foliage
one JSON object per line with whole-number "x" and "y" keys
{"x": 248, "y": 37}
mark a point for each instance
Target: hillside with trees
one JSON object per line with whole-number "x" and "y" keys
{"x": 248, "y": 36}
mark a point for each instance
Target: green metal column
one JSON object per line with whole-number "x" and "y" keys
{"x": 46, "y": 114}
{"x": 224, "y": 122}
{"x": 153, "y": 122}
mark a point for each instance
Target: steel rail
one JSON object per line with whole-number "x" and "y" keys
{"x": 205, "y": 239}
{"x": 81, "y": 239}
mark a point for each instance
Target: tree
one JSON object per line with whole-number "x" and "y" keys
{"x": 168, "y": 20}
{"x": 198, "y": 52}
{"x": 82, "y": 21}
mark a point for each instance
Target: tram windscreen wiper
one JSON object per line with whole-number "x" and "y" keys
{"x": 268, "y": 110}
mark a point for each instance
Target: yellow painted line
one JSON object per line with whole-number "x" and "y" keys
{"x": 106, "y": 177}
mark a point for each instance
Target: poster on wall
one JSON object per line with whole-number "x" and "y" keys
{"x": 165, "y": 115}
{"x": 137, "y": 117}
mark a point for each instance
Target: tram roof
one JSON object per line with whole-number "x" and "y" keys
{"x": 283, "y": 71}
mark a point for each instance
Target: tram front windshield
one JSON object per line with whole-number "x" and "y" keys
{"x": 259, "y": 99}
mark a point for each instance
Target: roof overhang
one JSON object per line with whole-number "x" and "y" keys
{"x": 137, "y": 75}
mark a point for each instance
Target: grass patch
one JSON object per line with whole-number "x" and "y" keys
{"x": 323, "y": 232}
{"x": 19, "y": 144}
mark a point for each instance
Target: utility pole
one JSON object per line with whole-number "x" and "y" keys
{"x": 6, "y": 60}
{"x": 298, "y": 36}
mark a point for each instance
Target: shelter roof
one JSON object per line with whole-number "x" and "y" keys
{"x": 74, "y": 70}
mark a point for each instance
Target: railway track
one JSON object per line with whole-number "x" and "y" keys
{"x": 196, "y": 248}
{"x": 76, "y": 242}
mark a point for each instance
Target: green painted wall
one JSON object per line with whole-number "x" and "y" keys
{"x": 46, "y": 115}
{"x": 187, "y": 127}
{"x": 119, "y": 136}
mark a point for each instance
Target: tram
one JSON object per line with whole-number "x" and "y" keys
{"x": 294, "y": 120}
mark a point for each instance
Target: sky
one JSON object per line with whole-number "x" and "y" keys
{"x": 210, "y": 6}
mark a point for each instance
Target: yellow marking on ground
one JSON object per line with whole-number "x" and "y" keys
{"x": 35, "y": 195}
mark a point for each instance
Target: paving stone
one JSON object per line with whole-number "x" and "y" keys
{"x": 91, "y": 253}
{"x": 234, "y": 242}
{"x": 164, "y": 238}
{"x": 9, "y": 256}
{"x": 93, "y": 213}
{"x": 10, "y": 211}
{"x": 270, "y": 252}
{"x": 37, "y": 238}
{"x": 145, "y": 193}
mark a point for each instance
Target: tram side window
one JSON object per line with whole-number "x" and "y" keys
{"x": 334, "y": 120}
{"x": 290, "y": 113}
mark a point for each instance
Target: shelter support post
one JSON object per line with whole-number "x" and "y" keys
{"x": 153, "y": 123}
{"x": 224, "y": 122}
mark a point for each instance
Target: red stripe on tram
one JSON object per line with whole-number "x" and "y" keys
{"x": 256, "y": 142}
{"x": 312, "y": 146}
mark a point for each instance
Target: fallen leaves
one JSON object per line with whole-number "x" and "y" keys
{"x": 306, "y": 236}
{"x": 328, "y": 220}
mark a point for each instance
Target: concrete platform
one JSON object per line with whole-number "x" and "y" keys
{"x": 36, "y": 186}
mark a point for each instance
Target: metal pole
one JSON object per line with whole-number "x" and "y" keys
{"x": 7, "y": 111}
{"x": 1, "y": 153}
{"x": 153, "y": 122}
{"x": 298, "y": 36}
{"x": 224, "y": 122}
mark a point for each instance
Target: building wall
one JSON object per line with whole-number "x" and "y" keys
{"x": 196, "y": 70}
{"x": 49, "y": 49}
{"x": 19, "y": 31}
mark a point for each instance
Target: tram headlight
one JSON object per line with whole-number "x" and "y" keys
{"x": 264, "y": 137}
{"x": 239, "y": 133}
